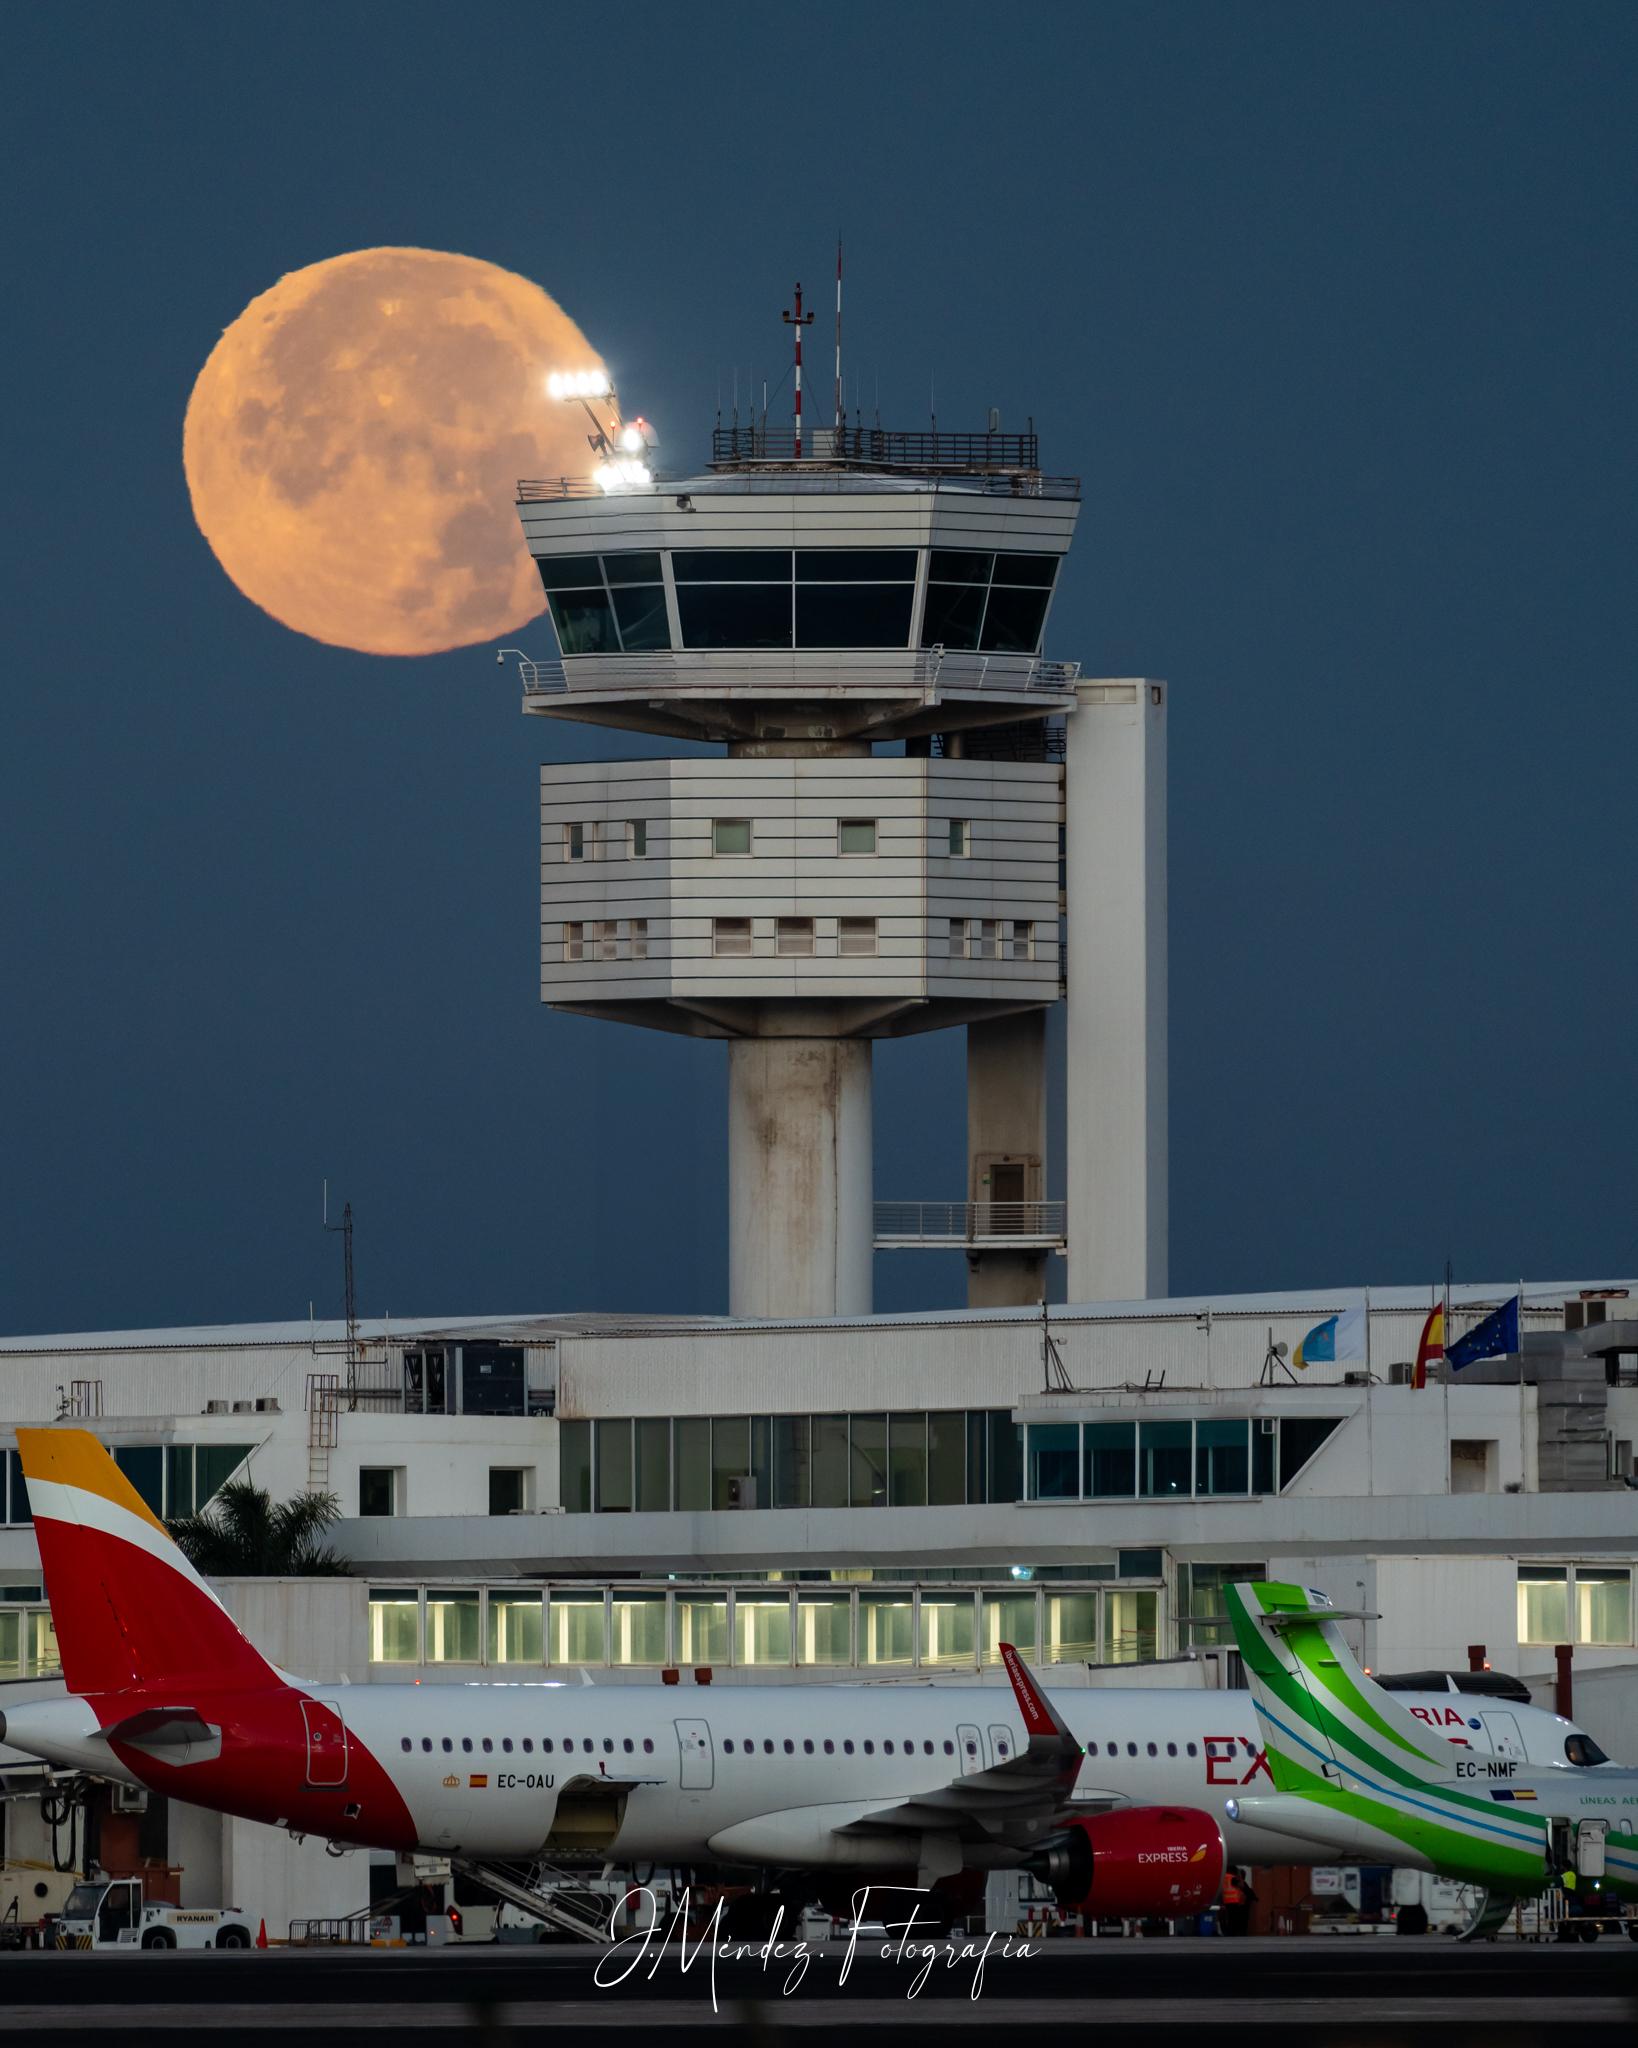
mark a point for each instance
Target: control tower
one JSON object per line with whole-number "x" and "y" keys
{"x": 804, "y": 896}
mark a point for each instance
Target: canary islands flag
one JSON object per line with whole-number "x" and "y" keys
{"x": 1339, "y": 1340}
{"x": 1432, "y": 1345}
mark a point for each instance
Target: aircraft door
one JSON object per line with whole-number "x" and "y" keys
{"x": 1505, "y": 1739}
{"x": 970, "y": 1744}
{"x": 326, "y": 1743}
{"x": 698, "y": 1759}
{"x": 1002, "y": 1749}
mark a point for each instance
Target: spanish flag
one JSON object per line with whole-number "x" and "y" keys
{"x": 1431, "y": 1346}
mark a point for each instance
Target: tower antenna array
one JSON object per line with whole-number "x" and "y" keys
{"x": 349, "y": 1294}
{"x": 797, "y": 321}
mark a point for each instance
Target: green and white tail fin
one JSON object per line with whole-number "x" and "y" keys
{"x": 1324, "y": 1717}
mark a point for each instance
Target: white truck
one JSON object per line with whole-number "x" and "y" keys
{"x": 111, "y": 1912}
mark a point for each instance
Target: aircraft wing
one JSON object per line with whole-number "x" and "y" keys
{"x": 1008, "y": 1802}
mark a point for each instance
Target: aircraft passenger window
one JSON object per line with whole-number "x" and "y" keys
{"x": 545, "y": 1745}
{"x": 488, "y": 1746}
{"x": 447, "y": 1743}
{"x": 949, "y": 1747}
{"x": 608, "y": 1744}
{"x": 928, "y": 1747}
{"x": 506, "y": 1744}
{"x": 807, "y": 1745}
{"x": 1131, "y": 1749}
{"x": 847, "y": 1747}
{"x": 587, "y": 1745}
{"x": 1171, "y": 1749}
{"x": 627, "y": 1745}
{"x": 830, "y": 1747}
{"x": 405, "y": 1743}
{"x": 870, "y": 1749}
{"x": 767, "y": 1745}
{"x": 466, "y": 1743}
{"x": 1152, "y": 1750}
{"x": 648, "y": 1745}
{"x": 972, "y": 1749}
{"x": 528, "y": 1745}
{"x": 729, "y": 1747}
{"x": 887, "y": 1749}
{"x": 790, "y": 1747}
{"x": 426, "y": 1742}
{"x": 1191, "y": 1749}
{"x": 1003, "y": 1750}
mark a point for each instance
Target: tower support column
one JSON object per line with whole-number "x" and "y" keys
{"x": 1115, "y": 778}
{"x": 800, "y": 1234}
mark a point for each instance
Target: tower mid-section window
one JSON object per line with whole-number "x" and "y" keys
{"x": 795, "y": 934}
{"x": 731, "y": 935}
{"x": 730, "y": 835}
{"x": 606, "y": 604}
{"x": 855, "y": 935}
{"x": 856, "y": 835}
{"x": 997, "y": 603}
{"x": 802, "y": 597}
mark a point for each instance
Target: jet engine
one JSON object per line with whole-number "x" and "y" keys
{"x": 1136, "y": 1863}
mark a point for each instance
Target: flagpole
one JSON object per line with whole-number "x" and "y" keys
{"x": 1367, "y": 1336}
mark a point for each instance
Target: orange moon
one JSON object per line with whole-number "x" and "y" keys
{"x": 353, "y": 445}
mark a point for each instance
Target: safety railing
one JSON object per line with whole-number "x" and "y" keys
{"x": 953, "y": 1225}
{"x": 724, "y": 672}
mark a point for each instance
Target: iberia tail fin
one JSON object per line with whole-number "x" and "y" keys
{"x": 129, "y": 1609}
{"x": 1322, "y": 1715}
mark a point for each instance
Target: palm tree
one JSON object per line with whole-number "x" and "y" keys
{"x": 243, "y": 1534}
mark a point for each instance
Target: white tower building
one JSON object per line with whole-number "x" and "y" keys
{"x": 803, "y": 897}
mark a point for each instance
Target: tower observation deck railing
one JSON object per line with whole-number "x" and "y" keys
{"x": 878, "y": 448}
{"x": 946, "y": 1226}
{"x": 719, "y": 671}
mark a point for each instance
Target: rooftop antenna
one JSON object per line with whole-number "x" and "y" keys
{"x": 1274, "y": 1363}
{"x": 840, "y": 419}
{"x": 345, "y": 1227}
{"x": 797, "y": 321}
{"x": 1054, "y": 1373}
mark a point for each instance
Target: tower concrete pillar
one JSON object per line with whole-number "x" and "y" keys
{"x": 1116, "y": 1140}
{"x": 799, "y": 1180}
{"x": 1006, "y": 1151}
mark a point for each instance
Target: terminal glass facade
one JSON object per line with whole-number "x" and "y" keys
{"x": 690, "y": 1463}
{"x": 762, "y": 1624}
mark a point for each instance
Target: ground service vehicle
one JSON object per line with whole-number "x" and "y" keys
{"x": 104, "y": 1912}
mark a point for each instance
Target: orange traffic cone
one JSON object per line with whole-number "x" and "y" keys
{"x": 261, "y": 1935}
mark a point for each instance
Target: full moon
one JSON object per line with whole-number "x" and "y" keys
{"x": 353, "y": 444}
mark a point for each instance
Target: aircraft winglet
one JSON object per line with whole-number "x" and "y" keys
{"x": 1040, "y": 1716}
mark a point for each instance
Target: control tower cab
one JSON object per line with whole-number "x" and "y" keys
{"x": 805, "y": 895}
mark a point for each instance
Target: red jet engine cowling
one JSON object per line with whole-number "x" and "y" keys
{"x": 1140, "y": 1862}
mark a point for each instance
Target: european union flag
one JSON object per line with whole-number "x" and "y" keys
{"x": 1493, "y": 1338}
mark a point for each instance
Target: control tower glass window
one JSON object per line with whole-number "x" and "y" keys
{"x": 995, "y": 604}
{"x": 805, "y": 598}
{"x": 606, "y": 604}
{"x": 854, "y": 597}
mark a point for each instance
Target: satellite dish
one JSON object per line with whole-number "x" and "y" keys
{"x": 1282, "y": 1350}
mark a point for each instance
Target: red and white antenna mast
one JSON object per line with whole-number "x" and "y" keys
{"x": 839, "y": 420}
{"x": 797, "y": 321}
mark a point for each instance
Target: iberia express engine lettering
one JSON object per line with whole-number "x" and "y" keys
{"x": 1139, "y": 1862}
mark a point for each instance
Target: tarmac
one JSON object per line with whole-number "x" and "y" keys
{"x": 1163, "y": 1992}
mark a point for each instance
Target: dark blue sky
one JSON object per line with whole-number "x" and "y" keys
{"x": 1332, "y": 309}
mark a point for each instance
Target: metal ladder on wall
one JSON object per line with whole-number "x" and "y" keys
{"x": 323, "y": 1427}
